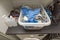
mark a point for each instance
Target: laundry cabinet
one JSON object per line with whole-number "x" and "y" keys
{"x": 7, "y": 5}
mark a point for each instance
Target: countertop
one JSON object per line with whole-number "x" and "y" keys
{"x": 53, "y": 28}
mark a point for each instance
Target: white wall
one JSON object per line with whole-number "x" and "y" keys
{"x": 5, "y": 7}
{"x": 31, "y": 2}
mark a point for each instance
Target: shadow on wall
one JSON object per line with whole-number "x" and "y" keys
{"x": 31, "y": 2}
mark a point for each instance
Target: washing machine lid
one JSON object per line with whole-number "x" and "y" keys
{"x": 31, "y": 39}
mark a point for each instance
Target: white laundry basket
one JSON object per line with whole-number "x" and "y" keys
{"x": 36, "y": 24}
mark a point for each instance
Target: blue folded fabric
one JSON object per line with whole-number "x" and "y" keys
{"x": 30, "y": 14}
{"x": 24, "y": 11}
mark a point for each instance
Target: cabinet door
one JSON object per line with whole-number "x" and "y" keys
{"x": 3, "y": 38}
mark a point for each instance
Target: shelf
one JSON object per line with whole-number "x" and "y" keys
{"x": 54, "y": 28}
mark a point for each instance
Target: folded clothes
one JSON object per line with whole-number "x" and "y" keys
{"x": 30, "y": 14}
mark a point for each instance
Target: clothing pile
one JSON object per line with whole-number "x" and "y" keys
{"x": 32, "y": 15}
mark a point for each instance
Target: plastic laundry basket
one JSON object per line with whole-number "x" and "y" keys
{"x": 36, "y": 24}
